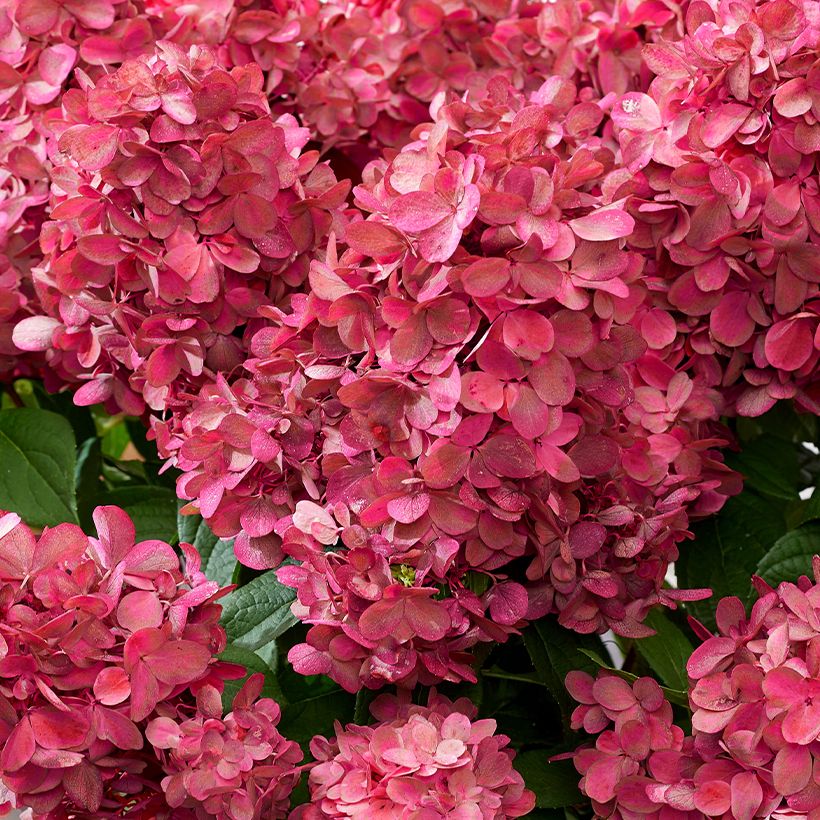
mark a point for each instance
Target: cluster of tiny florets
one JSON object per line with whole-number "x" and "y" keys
{"x": 443, "y": 300}
{"x": 104, "y": 643}
{"x": 753, "y": 749}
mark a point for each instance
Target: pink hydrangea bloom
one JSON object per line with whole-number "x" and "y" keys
{"x": 232, "y": 767}
{"x": 724, "y": 133}
{"x": 431, "y": 761}
{"x": 579, "y": 235}
{"x": 97, "y": 634}
{"x": 176, "y": 216}
{"x": 753, "y": 748}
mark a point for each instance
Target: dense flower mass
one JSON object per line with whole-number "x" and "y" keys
{"x": 175, "y": 197}
{"x": 231, "y": 767}
{"x": 434, "y": 761}
{"x": 487, "y": 384}
{"x": 99, "y": 636}
{"x": 753, "y": 749}
{"x": 435, "y": 308}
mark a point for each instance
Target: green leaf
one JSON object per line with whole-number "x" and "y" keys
{"x": 314, "y": 714}
{"x": 555, "y": 783}
{"x": 218, "y": 560}
{"x": 258, "y": 613}
{"x": 361, "y": 713}
{"x": 87, "y": 476}
{"x": 554, "y": 652}
{"x": 666, "y": 652}
{"x": 80, "y": 418}
{"x": 810, "y": 509}
{"x": 136, "y": 432}
{"x": 37, "y": 462}
{"x": 769, "y": 466}
{"x": 115, "y": 439}
{"x": 253, "y": 663}
{"x": 153, "y": 509}
{"x": 791, "y": 556}
{"x": 727, "y": 549}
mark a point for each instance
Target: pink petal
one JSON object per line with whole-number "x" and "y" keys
{"x": 112, "y": 686}
{"x": 56, "y": 62}
{"x": 636, "y": 112}
{"x": 139, "y": 610}
{"x": 586, "y": 538}
{"x": 92, "y": 146}
{"x": 801, "y": 724}
{"x": 444, "y": 464}
{"x": 428, "y": 619}
{"x": 83, "y": 785}
{"x": 508, "y": 603}
{"x": 789, "y": 344}
{"x": 793, "y": 98}
{"x": 528, "y": 414}
{"x": 713, "y": 798}
{"x": 58, "y": 730}
{"x": 730, "y": 322}
{"x": 481, "y": 392}
{"x": 602, "y": 777}
{"x": 439, "y": 243}
{"x": 179, "y": 662}
{"x": 418, "y": 211}
{"x": 792, "y": 769}
{"x": 747, "y": 795}
{"x": 374, "y": 239}
{"x": 528, "y": 333}
{"x": 18, "y": 747}
{"x": 721, "y": 123}
{"x": 556, "y": 462}
{"x": 408, "y": 508}
{"x": 710, "y": 656}
{"x": 178, "y": 104}
{"x": 553, "y": 378}
{"x": 603, "y": 225}
{"x": 163, "y": 733}
{"x": 509, "y": 456}
{"x": 486, "y": 277}
{"x": 35, "y": 333}
{"x": 116, "y": 727}
{"x": 63, "y": 544}
{"x": 309, "y": 661}
{"x": 36, "y": 17}
{"x": 613, "y": 693}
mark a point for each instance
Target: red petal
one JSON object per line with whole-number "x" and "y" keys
{"x": 444, "y": 464}
{"x": 789, "y": 344}
{"x": 92, "y": 146}
{"x": 374, "y": 239}
{"x": 418, "y": 211}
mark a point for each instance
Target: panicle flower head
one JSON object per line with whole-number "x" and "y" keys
{"x": 432, "y": 761}
{"x": 95, "y": 634}
{"x": 180, "y": 206}
{"x": 235, "y": 767}
{"x": 753, "y": 749}
{"x": 580, "y": 236}
{"x": 719, "y": 150}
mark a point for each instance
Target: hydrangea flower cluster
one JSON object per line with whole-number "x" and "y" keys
{"x": 103, "y": 643}
{"x": 486, "y": 389}
{"x": 753, "y": 748}
{"x": 231, "y": 767}
{"x": 718, "y": 153}
{"x": 179, "y": 206}
{"x": 433, "y": 761}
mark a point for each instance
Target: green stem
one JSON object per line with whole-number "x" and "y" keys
{"x": 489, "y": 673}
